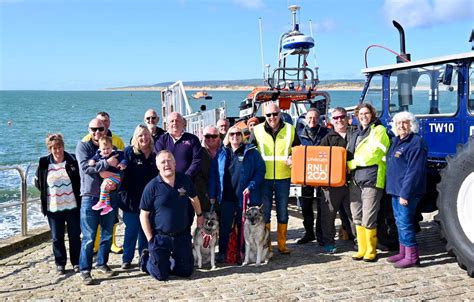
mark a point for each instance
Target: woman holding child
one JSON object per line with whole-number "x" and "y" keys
{"x": 140, "y": 170}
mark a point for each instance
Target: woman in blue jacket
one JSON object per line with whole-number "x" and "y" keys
{"x": 140, "y": 170}
{"x": 406, "y": 182}
{"x": 237, "y": 171}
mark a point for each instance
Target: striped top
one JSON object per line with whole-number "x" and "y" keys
{"x": 60, "y": 194}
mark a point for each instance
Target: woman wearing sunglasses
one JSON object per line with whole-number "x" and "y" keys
{"x": 237, "y": 171}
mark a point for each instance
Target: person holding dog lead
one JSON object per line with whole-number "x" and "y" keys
{"x": 274, "y": 140}
{"x": 236, "y": 171}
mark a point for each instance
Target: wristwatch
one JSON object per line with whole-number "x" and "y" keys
{"x": 199, "y": 215}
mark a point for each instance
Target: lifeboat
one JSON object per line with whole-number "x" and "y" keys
{"x": 202, "y": 95}
{"x": 285, "y": 97}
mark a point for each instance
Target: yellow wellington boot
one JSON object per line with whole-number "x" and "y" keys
{"x": 97, "y": 240}
{"x": 361, "y": 243}
{"x": 115, "y": 248}
{"x": 371, "y": 252}
{"x": 268, "y": 226}
{"x": 281, "y": 238}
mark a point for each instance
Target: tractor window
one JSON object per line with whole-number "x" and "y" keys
{"x": 374, "y": 95}
{"x": 471, "y": 89}
{"x": 424, "y": 90}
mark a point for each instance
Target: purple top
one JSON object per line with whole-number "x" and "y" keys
{"x": 186, "y": 151}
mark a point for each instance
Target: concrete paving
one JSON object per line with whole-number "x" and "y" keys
{"x": 306, "y": 274}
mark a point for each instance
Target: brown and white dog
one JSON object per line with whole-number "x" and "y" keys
{"x": 256, "y": 237}
{"x": 205, "y": 240}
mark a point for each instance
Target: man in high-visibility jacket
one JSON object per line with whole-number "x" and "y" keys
{"x": 274, "y": 140}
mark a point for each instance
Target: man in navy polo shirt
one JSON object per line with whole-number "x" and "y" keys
{"x": 186, "y": 149}
{"x": 185, "y": 146}
{"x": 164, "y": 218}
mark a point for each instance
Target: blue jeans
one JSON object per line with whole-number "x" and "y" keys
{"x": 133, "y": 231}
{"x": 90, "y": 220}
{"x": 405, "y": 218}
{"x": 57, "y": 222}
{"x": 281, "y": 188}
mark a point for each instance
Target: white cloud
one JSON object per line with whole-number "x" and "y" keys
{"x": 425, "y": 13}
{"x": 253, "y": 4}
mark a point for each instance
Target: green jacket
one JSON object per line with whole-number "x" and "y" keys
{"x": 368, "y": 165}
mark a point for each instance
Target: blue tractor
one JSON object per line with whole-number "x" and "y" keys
{"x": 440, "y": 92}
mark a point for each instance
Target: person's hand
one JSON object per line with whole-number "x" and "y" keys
{"x": 200, "y": 221}
{"x": 246, "y": 192}
{"x": 122, "y": 166}
{"x": 403, "y": 201}
{"x": 289, "y": 161}
{"x": 113, "y": 161}
{"x": 91, "y": 162}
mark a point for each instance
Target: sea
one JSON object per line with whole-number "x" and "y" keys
{"x": 26, "y": 117}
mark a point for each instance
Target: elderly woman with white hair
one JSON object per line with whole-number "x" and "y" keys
{"x": 406, "y": 182}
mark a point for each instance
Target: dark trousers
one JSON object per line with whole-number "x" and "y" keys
{"x": 161, "y": 247}
{"x": 307, "y": 200}
{"x": 58, "y": 222}
{"x": 226, "y": 219}
{"x": 336, "y": 199}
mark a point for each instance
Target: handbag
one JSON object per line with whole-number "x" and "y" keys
{"x": 232, "y": 246}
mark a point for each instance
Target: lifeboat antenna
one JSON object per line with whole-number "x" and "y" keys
{"x": 294, "y": 9}
{"x": 316, "y": 68}
{"x": 261, "y": 46}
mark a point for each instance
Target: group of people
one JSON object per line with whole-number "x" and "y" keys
{"x": 166, "y": 178}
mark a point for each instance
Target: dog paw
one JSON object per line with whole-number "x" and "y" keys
{"x": 213, "y": 267}
{"x": 244, "y": 263}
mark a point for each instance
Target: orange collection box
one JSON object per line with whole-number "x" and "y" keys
{"x": 319, "y": 166}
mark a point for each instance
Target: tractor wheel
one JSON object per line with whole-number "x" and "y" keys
{"x": 456, "y": 206}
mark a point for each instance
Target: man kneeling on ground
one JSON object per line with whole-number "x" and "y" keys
{"x": 164, "y": 219}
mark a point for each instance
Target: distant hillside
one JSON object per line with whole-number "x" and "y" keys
{"x": 237, "y": 83}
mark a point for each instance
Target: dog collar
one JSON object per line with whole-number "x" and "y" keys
{"x": 207, "y": 239}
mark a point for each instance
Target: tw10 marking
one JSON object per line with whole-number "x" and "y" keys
{"x": 441, "y": 127}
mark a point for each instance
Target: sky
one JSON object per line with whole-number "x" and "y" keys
{"x": 96, "y": 44}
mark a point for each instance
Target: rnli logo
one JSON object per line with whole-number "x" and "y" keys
{"x": 182, "y": 191}
{"x": 322, "y": 154}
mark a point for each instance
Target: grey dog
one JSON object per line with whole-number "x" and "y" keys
{"x": 205, "y": 239}
{"x": 256, "y": 237}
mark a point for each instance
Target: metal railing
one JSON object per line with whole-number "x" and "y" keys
{"x": 23, "y": 196}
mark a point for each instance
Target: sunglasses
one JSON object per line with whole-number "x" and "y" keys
{"x": 235, "y": 134}
{"x": 340, "y": 117}
{"x": 213, "y": 136}
{"x": 272, "y": 114}
{"x": 150, "y": 118}
{"x": 95, "y": 129}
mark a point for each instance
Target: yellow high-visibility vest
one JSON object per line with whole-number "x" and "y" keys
{"x": 275, "y": 152}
